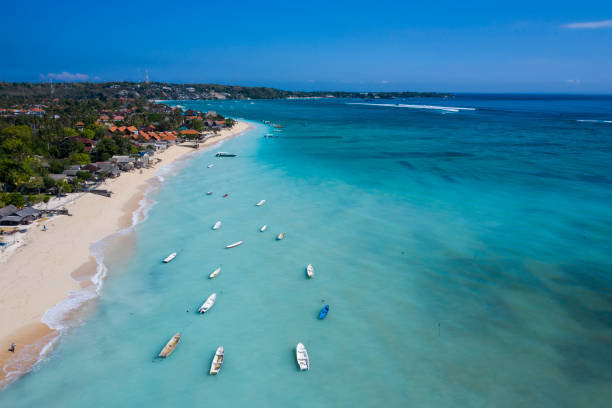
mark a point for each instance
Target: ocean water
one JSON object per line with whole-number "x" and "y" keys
{"x": 465, "y": 255}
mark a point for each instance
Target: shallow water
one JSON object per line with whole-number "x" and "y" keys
{"x": 465, "y": 256}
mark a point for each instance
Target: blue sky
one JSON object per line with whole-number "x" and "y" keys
{"x": 469, "y": 46}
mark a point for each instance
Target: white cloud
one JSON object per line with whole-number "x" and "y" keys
{"x": 589, "y": 24}
{"x": 68, "y": 77}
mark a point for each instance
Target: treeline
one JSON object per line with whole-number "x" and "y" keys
{"x": 27, "y": 92}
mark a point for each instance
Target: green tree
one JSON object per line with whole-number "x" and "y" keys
{"x": 79, "y": 158}
{"x": 88, "y": 133}
{"x": 105, "y": 149}
{"x": 15, "y": 199}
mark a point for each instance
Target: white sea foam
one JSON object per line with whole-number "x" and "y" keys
{"x": 401, "y": 105}
{"x": 594, "y": 120}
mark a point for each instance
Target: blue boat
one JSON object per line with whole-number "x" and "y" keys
{"x": 324, "y": 312}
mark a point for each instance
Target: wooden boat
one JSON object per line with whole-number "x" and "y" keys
{"x": 210, "y": 165}
{"x": 324, "y": 312}
{"x": 225, "y": 154}
{"x": 310, "y": 271}
{"x": 170, "y": 257}
{"x": 262, "y": 202}
{"x": 280, "y": 236}
{"x": 208, "y": 303}
{"x": 235, "y": 244}
{"x": 217, "y": 225}
{"x": 170, "y": 346}
{"x": 217, "y": 361}
{"x": 209, "y": 193}
{"x": 301, "y": 356}
{"x": 214, "y": 273}
{"x": 262, "y": 229}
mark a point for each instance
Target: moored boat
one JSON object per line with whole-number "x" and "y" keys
{"x": 209, "y": 193}
{"x": 217, "y": 361}
{"x": 324, "y": 312}
{"x": 262, "y": 202}
{"x": 208, "y": 303}
{"x": 225, "y": 154}
{"x": 310, "y": 271}
{"x": 170, "y": 257}
{"x": 170, "y": 346}
{"x": 210, "y": 165}
{"x": 235, "y": 244}
{"x": 214, "y": 273}
{"x": 280, "y": 236}
{"x": 217, "y": 225}
{"x": 262, "y": 229}
{"x": 301, "y": 356}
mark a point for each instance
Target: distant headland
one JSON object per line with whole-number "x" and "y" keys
{"x": 24, "y": 91}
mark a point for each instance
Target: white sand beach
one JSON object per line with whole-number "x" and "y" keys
{"x": 40, "y": 273}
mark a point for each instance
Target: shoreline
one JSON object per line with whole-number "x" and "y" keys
{"x": 54, "y": 273}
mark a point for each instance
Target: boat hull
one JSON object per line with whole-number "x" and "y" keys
{"x": 302, "y": 358}
{"x": 323, "y": 313}
{"x": 310, "y": 271}
{"x": 217, "y": 362}
{"x": 214, "y": 273}
{"x": 170, "y": 346}
{"x": 235, "y": 244}
{"x": 208, "y": 304}
{"x": 170, "y": 257}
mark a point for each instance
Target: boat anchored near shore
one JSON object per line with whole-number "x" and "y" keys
{"x": 170, "y": 257}
{"x": 235, "y": 244}
{"x": 324, "y": 312}
{"x": 301, "y": 356}
{"x": 215, "y": 273}
{"x": 262, "y": 202}
{"x": 208, "y": 304}
{"x": 217, "y": 225}
{"x": 263, "y": 228}
{"x": 170, "y": 346}
{"x": 310, "y": 271}
{"x": 280, "y": 236}
{"x": 225, "y": 154}
{"x": 217, "y": 362}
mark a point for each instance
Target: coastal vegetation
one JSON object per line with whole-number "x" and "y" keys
{"x": 52, "y": 145}
{"x": 104, "y": 92}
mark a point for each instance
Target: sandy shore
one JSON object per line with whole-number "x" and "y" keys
{"x": 51, "y": 264}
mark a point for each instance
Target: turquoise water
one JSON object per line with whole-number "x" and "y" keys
{"x": 465, "y": 256}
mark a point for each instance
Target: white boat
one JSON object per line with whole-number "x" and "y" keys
{"x": 235, "y": 244}
{"x": 217, "y": 361}
{"x": 214, "y": 273}
{"x": 262, "y": 229}
{"x": 302, "y": 357}
{"x": 262, "y": 202}
{"x": 209, "y": 193}
{"x": 170, "y": 257}
{"x": 310, "y": 271}
{"x": 208, "y": 304}
{"x": 170, "y": 346}
{"x": 210, "y": 165}
{"x": 217, "y": 225}
{"x": 280, "y": 236}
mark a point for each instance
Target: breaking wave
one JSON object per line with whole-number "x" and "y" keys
{"x": 401, "y": 105}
